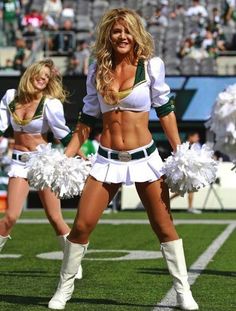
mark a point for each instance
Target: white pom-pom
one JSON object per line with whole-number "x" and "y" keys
{"x": 41, "y": 166}
{"x": 223, "y": 122}
{"x": 49, "y": 167}
{"x": 190, "y": 168}
{"x": 69, "y": 177}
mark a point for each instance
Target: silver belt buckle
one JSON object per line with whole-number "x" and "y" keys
{"x": 124, "y": 156}
{"x": 24, "y": 157}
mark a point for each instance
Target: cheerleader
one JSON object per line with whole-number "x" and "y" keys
{"x": 122, "y": 86}
{"x": 32, "y": 110}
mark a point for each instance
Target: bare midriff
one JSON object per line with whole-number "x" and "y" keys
{"x": 125, "y": 130}
{"x": 28, "y": 142}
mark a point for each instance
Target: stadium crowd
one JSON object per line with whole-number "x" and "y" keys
{"x": 189, "y": 34}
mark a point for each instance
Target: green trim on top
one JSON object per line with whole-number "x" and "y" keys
{"x": 38, "y": 112}
{"x": 166, "y": 108}
{"x": 12, "y": 106}
{"x": 65, "y": 140}
{"x": 1, "y": 133}
{"x": 140, "y": 72}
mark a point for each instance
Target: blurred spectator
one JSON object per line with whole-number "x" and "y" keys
{"x": 29, "y": 34}
{"x": 186, "y": 47}
{"x": 208, "y": 40}
{"x": 180, "y": 11}
{"x": 158, "y": 18}
{"x": 198, "y": 54}
{"x": 79, "y": 62}
{"x": 33, "y": 18}
{"x": 196, "y": 9}
{"x": 177, "y": 14}
{"x": 229, "y": 12}
{"x": 20, "y": 56}
{"x": 8, "y": 65}
{"x": 48, "y": 28}
{"x": 49, "y": 23}
{"x": 65, "y": 39}
{"x": 220, "y": 40}
{"x": 214, "y": 19}
{"x": 9, "y": 11}
{"x": 26, "y": 5}
{"x": 140, "y": 13}
{"x": 68, "y": 12}
{"x": 164, "y": 6}
{"x": 53, "y": 8}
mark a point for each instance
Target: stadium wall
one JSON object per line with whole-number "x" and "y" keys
{"x": 195, "y": 96}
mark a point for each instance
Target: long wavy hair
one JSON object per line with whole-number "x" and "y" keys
{"x": 103, "y": 51}
{"x": 54, "y": 89}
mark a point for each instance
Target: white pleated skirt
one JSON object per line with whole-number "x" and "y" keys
{"x": 18, "y": 168}
{"x": 147, "y": 169}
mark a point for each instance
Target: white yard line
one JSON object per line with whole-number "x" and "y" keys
{"x": 135, "y": 221}
{"x": 169, "y": 301}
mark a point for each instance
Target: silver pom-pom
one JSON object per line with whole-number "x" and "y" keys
{"x": 51, "y": 168}
{"x": 190, "y": 168}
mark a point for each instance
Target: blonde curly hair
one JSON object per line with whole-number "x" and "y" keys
{"x": 54, "y": 89}
{"x": 103, "y": 51}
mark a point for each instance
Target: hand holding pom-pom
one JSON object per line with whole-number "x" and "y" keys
{"x": 190, "y": 168}
{"x": 51, "y": 168}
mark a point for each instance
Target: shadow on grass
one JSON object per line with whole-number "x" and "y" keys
{"x": 159, "y": 271}
{"x": 43, "y": 301}
{"x": 22, "y": 273}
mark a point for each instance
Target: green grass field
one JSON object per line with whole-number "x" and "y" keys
{"x": 28, "y": 282}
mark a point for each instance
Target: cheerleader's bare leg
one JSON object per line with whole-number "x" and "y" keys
{"x": 155, "y": 198}
{"x": 18, "y": 190}
{"x": 95, "y": 198}
{"x": 52, "y": 207}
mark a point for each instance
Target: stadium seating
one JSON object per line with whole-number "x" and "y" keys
{"x": 167, "y": 40}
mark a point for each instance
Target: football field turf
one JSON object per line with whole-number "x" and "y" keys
{"x": 123, "y": 269}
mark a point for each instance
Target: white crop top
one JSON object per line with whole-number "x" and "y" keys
{"x": 151, "y": 91}
{"x": 48, "y": 115}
